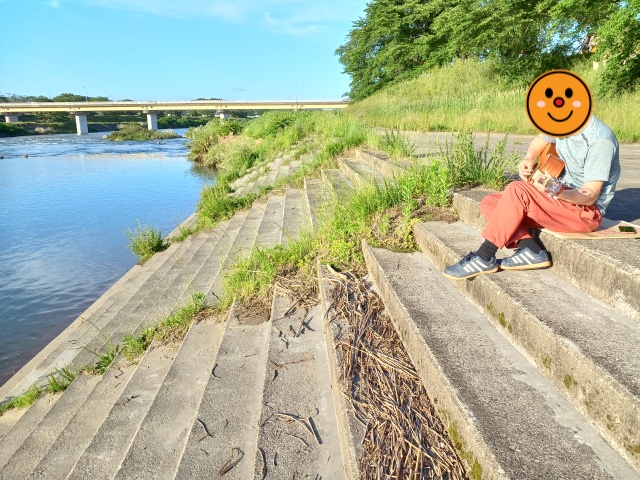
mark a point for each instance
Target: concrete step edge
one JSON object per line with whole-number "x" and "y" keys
{"x": 381, "y": 163}
{"x": 606, "y": 398}
{"x": 314, "y": 201}
{"x": 577, "y": 261}
{"x": 283, "y": 172}
{"x": 110, "y": 443}
{"x": 506, "y": 415}
{"x": 238, "y": 374}
{"x": 350, "y": 431}
{"x": 270, "y": 230}
{"x": 360, "y": 173}
{"x": 337, "y": 182}
{"x": 295, "y": 219}
{"x": 33, "y": 448}
{"x": 188, "y": 223}
{"x": 175, "y": 406}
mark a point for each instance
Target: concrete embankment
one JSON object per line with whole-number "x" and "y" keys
{"x": 534, "y": 374}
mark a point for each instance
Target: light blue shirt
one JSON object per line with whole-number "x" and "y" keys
{"x": 591, "y": 155}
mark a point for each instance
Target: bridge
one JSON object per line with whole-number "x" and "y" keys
{"x": 12, "y": 111}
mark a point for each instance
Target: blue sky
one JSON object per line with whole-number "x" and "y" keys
{"x": 176, "y": 49}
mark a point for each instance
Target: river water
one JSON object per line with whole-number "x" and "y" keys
{"x": 64, "y": 211}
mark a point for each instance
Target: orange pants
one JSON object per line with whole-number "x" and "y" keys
{"x": 510, "y": 214}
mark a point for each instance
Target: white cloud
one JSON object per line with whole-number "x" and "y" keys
{"x": 292, "y": 25}
{"x": 297, "y": 17}
{"x": 171, "y": 8}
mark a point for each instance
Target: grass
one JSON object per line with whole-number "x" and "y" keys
{"x": 468, "y": 96}
{"x": 327, "y": 133}
{"x": 12, "y": 130}
{"x": 173, "y": 327}
{"x": 145, "y": 240}
{"x": 134, "y": 131}
{"x": 383, "y": 215}
{"x": 57, "y": 381}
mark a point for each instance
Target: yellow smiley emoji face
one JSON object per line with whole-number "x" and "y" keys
{"x": 559, "y": 103}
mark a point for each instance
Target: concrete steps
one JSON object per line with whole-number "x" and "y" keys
{"x": 531, "y": 391}
{"x": 337, "y": 184}
{"x": 381, "y": 163}
{"x": 270, "y": 231}
{"x": 230, "y": 407}
{"x": 109, "y": 445}
{"x": 267, "y": 175}
{"x": 27, "y": 455}
{"x": 70, "y": 443}
{"x": 297, "y": 429}
{"x": 296, "y": 217}
{"x": 513, "y": 422}
{"x": 360, "y": 173}
{"x": 74, "y": 439}
{"x": 574, "y": 346}
{"x": 315, "y": 202}
{"x": 614, "y": 263}
{"x": 590, "y": 351}
{"x": 159, "y": 443}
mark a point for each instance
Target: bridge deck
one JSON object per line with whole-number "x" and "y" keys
{"x": 150, "y": 106}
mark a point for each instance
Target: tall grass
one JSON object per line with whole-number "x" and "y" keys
{"x": 468, "y": 96}
{"x": 145, "y": 240}
{"x": 57, "y": 381}
{"x": 174, "y": 326}
{"x": 134, "y": 131}
{"x": 252, "y": 276}
{"x": 216, "y": 205}
{"x": 381, "y": 214}
{"x": 262, "y": 140}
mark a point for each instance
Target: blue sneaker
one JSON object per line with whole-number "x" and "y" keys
{"x": 525, "y": 259}
{"x": 470, "y": 266}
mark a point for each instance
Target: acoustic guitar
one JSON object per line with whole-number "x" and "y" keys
{"x": 547, "y": 166}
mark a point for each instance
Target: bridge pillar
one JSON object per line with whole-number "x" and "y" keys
{"x": 13, "y": 118}
{"x": 81, "y": 123}
{"x": 152, "y": 121}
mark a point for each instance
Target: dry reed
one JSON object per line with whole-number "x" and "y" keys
{"x": 404, "y": 437}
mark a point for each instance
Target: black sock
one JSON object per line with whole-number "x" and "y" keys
{"x": 531, "y": 244}
{"x": 487, "y": 250}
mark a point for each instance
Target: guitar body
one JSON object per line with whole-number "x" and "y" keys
{"x": 548, "y": 164}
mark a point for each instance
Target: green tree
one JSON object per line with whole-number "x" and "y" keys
{"x": 618, "y": 48}
{"x": 392, "y": 42}
{"x": 69, "y": 97}
{"x": 520, "y": 38}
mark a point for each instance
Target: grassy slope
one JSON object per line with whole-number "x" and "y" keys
{"x": 467, "y": 97}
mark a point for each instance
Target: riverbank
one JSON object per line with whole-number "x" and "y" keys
{"x": 468, "y": 96}
{"x": 34, "y": 125}
{"x": 269, "y": 348}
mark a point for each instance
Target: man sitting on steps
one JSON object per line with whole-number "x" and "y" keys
{"x": 592, "y": 169}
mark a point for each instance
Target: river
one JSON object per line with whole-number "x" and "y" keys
{"x": 64, "y": 211}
